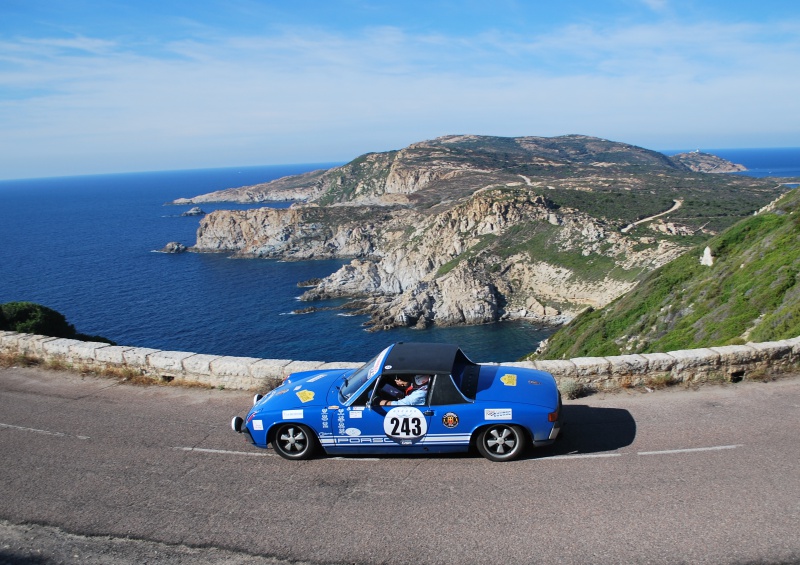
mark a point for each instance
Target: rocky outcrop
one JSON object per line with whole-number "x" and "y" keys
{"x": 443, "y": 271}
{"x": 194, "y": 211}
{"x": 293, "y": 233}
{"x": 706, "y": 163}
{"x": 471, "y": 230}
{"x": 174, "y": 247}
{"x": 294, "y": 188}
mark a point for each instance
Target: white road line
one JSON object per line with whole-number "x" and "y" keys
{"x": 268, "y": 454}
{"x": 44, "y": 432}
{"x": 223, "y": 451}
{"x": 690, "y": 450}
{"x": 664, "y": 452}
{"x": 579, "y": 456}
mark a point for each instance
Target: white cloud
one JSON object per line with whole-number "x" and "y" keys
{"x": 313, "y": 95}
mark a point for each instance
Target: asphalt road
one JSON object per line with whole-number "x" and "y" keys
{"x": 94, "y": 471}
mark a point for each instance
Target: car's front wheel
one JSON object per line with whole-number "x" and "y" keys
{"x": 501, "y": 442}
{"x": 294, "y": 441}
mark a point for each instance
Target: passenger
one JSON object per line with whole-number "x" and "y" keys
{"x": 415, "y": 393}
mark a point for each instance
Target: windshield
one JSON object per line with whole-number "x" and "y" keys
{"x": 361, "y": 376}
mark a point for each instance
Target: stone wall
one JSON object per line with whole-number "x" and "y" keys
{"x": 727, "y": 363}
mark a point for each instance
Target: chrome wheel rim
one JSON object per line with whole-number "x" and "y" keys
{"x": 501, "y": 441}
{"x": 293, "y": 439}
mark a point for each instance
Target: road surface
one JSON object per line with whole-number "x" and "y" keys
{"x": 95, "y": 471}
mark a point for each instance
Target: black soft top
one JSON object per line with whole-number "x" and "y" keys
{"x": 425, "y": 358}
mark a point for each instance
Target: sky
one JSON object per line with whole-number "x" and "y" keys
{"x": 104, "y": 86}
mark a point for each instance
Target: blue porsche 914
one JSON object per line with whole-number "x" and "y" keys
{"x": 410, "y": 398}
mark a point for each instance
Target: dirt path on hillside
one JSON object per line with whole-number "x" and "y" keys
{"x": 629, "y": 227}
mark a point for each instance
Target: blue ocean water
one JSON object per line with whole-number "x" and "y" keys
{"x": 84, "y": 246}
{"x": 775, "y": 162}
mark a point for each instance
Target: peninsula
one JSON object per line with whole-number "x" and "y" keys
{"x": 467, "y": 229}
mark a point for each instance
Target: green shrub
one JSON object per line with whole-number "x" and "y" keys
{"x": 29, "y": 317}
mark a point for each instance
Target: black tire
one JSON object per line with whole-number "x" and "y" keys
{"x": 501, "y": 442}
{"x": 294, "y": 441}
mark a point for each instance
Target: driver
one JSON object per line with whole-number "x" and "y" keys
{"x": 415, "y": 392}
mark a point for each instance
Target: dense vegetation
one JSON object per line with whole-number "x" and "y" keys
{"x": 28, "y": 317}
{"x": 750, "y": 293}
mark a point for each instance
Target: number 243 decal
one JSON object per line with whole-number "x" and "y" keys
{"x": 405, "y": 422}
{"x": 406, "y": 427}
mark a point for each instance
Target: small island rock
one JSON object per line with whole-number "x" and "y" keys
{"x": 195, "y": 211}
{"x": 174, "y": 247}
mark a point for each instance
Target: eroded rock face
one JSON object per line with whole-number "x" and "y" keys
{"x": 294, "y": 233}
{"x": 415, "y": 270}
{"x": 462, "y": 229}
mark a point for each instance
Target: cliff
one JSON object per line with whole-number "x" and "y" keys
{"x": 471, "y": 229}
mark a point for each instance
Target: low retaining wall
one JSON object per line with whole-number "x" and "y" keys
{"x": 728, "y": 363}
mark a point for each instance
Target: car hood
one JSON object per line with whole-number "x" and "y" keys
{"x": 309, "y": 388}
{"x": 498, "y": 383}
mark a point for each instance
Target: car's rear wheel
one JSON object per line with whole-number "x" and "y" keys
{"x": 294, "y": 441}
{"x": 501, "y": 442}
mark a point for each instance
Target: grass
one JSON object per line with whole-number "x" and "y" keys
{"x": 751, "y": 292}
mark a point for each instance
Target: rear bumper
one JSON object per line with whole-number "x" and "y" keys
{"x": 555, "y": 431}
{"x": 557, "y": 424}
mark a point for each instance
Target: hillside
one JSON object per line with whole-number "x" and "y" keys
{"x": 748, "y": 293}
{"x": 473, "y": 229}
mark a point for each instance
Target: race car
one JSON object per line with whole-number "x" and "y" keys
{"x": 450, "y": 404}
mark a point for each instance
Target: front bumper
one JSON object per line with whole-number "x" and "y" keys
{"x": 238, "y": 426}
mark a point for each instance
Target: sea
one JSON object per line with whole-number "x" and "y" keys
{"x": 88, "y": 247}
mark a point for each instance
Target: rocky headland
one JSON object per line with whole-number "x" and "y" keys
{"x": 472, "y": 229}
{"x": 700, "y": 162}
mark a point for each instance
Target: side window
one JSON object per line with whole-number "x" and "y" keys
{"x": 444, "y": 391}
{"x": 363, "y": 398}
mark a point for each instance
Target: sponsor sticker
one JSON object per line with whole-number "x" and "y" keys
{"x": 318, "y": 377}
{"x": 305, "y": 395}
{"x": 293, "y": 414}
{"x": 353, "y": 432}
{"x": 497, "y": 414}
{"x": 450, "y": 420}
{"x": 356, "y": 414}
{"x": 509, "y": 380}
{"x": 258, "y": 425}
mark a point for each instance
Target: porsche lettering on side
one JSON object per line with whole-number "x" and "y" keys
{"x": 410, "y": 398}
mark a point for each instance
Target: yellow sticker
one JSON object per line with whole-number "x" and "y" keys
{"x": 305, "y": 395}
{"x": 509, "y": 380}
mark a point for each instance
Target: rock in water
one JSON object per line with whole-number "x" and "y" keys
{"x": 174, "y": 247}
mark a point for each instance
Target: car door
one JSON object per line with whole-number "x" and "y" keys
{"x": 450, "y": 415}
{"x": 368, "y": 428}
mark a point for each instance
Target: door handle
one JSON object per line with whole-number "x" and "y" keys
{"x": 428, "y": 413}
